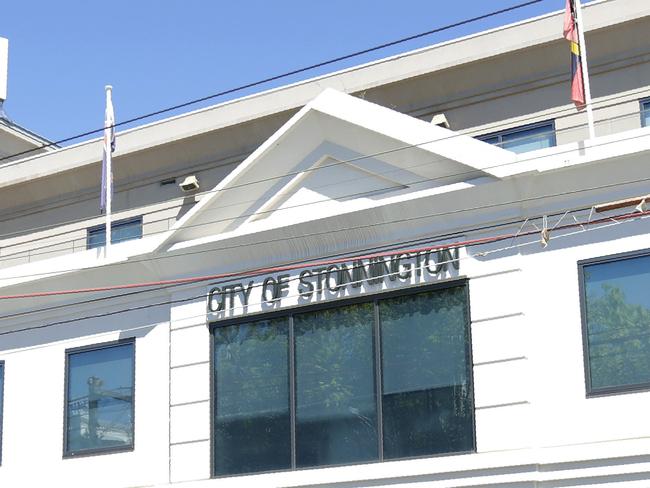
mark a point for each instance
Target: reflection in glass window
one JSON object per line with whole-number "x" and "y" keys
{"x": 122, "y": 230}
{"x": 645, "y": 113}
{"x": 99, "y": 398}
{"x": 336, "y": 410}
{"x": 252, "y": 430}
{"x": 305, "y": 389}
{"x": 617, "y": 323}
{"x": 427, "y": 406}
{"x": 523, "y": 139}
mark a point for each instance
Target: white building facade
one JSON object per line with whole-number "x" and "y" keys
{"x": 350, "y": 294}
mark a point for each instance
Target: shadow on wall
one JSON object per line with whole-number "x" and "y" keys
{"x": 188, "y": 202}
{"x": 109, "y": 320}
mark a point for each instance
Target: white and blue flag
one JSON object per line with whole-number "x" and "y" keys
{"x": 109, "y": 148}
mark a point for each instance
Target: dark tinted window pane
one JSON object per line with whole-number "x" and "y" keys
{"x": 96, "y": 238}
{"x": 618, "y": 322}
{"x": 520, "y": 140}
{"x": 120, "y": 231}
{"x": 252, "y": 430}
{"x": 645, "y": 114}
{"x": 336, "y": 414}
{"x": 427, "y": 405}
{"x": 491, "y": 140}
{"x": 126, "y": 231}
{"x": 99, "y": 409}
{"x": 529, "y": 139}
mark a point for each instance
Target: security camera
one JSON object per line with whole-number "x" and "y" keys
{"x": 440, "y": 120}
{"x": 189, "y": 183}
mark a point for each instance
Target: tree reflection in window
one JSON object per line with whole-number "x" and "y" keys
{"x": 427, "y": 404}
{"x": 333, "y": 381}
{"x": 336, "y": 410}
{"x": 617, "y": 312}
{"x": 252, "y": 422}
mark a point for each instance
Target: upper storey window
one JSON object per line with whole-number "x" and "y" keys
{"x": 122, "y": 230}
{"x": 645, "y": 113}
{"x": 616, "y": 322}
{"x": 523, "y": 139}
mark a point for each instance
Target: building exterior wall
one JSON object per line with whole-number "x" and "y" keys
{"x": 535, "y": 425}
{"x": 33, "y": 415}
{"x": 528, "y": 372}
{"x": 531, "y": 413}
{"x": 484, "y": 87}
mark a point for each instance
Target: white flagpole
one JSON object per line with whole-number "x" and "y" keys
{"x": 585, "y": 70}
{"x": 109, "y": 165}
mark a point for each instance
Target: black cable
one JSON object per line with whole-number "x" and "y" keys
{"x": 284, "y": 175}
{"x": 386, "y": 247}
{"x": 170, "y": 302}
{"x": 245, "y": 274}
{"x": 572, "y": 192}
{"x": 470, "y": 133}
{"x": 279, "y": 76}
{"x": 252, "y": 273}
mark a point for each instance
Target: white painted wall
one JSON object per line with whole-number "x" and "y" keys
{"x": 483, "y": 83}
{"x": 535, "y": 428}
{"x": 34, "y": 403}
{"x": 532, "y": 416}
{"x": 533, "y": 419}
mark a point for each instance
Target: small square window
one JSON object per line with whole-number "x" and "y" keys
{"x": 122, "y": 230}
{"x": 616, "y": 322}
{"x": 645, "y": 113}
{"x": 99, "y": 406}
{"x": 523, "y": 139}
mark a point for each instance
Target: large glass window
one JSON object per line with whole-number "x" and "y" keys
{"x": 382, "y": 379}
{"x": 616, "y": 321}
{"x": 2, "y": 388}
{"x": 122, "y": 230}
{"x": 645, "y": 113}
{"x": 523, "y": 139}
{"x": 252, "y": 427}
{"x": 99, "y": 398}
{"x": 336, "y": 407}
{"x": 426, "y": 400}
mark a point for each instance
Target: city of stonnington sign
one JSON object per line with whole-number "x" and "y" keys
{"x": 337, "y": 280}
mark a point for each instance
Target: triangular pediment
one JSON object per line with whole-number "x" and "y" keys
{"x": 337, "y": 155}
{"x": 329, "y": 180}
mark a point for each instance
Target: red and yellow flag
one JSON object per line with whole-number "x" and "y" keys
{"x": 571, "y": 35}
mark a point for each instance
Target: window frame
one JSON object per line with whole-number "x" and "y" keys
{"x": 591, "y": 392}
{"x": 644, "y": 111}
{"x": 115, "y": 224}
{"x": 2, "y": 402}
{"x": 102, "y": 450}
{"x": 520, "y": 128}
{"x": 374, "y": 298}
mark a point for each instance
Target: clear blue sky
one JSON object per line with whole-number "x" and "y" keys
{"x": 164, "y": 52}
